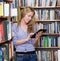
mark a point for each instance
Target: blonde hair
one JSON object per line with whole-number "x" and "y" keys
{"x": 23, "y": 13}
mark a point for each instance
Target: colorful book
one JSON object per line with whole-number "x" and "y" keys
{"x": 1, "y": 54}
{"x": 1, "y": 7}
{"x": 1, "y": 31}
{"x": 6, "y": 9}
{"x": 5, "y": 30}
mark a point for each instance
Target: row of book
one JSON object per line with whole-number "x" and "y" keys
{"x": 5, "y": 11}
{"x": 52, "y": 27}
{"x": 37, "y": 3}
{"x": 48, "y": 41}
{"x": 5, "y": 31}
{"x": 46, "y": 14}
{"x": 48, "y": 55}
{"x": 4, "y": 53}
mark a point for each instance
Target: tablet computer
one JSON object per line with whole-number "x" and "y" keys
{"x": 33, "y": 36}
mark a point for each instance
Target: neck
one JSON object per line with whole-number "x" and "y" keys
{"x": 23, "y": 23}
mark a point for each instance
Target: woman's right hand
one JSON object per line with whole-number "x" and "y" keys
{"x": 29, "y": 36}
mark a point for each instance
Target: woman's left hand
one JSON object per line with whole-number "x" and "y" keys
{"x": 39, "y": 34}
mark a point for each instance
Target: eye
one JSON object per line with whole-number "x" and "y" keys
{"x": 29, "y": 15}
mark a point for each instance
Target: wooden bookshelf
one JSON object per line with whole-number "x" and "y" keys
{"x": 42, "y": 7}
{"x": 8, "y": 1}
{"x": 47, "y": 20}
{"x": 5, "y": 42}
{"x": 4, "y": 17}
{"x": 51, "y": 34}
{"x": 47, "y": 48}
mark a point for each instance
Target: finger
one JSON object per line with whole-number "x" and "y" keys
{"x": 31, "y": 33}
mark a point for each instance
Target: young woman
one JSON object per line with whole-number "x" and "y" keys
{"x": 23, "y": 30}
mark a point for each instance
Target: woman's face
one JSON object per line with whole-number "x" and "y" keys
{"x": 28, "y": 17}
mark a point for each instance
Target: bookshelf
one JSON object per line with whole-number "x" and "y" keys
{"x": 5, "y": 23}
{"x": 49, "y": 7}
{"x": 8, "y": 1}
{"x": 52, "y": 20}
{"x": 3, "y": 18}
{"x": 47, "y": 48}
{"x": 5, "y": 42}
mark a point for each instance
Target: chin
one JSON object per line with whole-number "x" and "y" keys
{"x": 28, "y": 22}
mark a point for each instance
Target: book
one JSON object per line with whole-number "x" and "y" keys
{"x": 1, "y": 31}
{"x": 5, "y": 30}
{"x": 6, "y": 9}
{"x": 1, "y": 8}
{"x": 33, "y": 36}
{"x": 58, "y": 55}
{"x": 53, "y": 3}
{"x": 13, "y": 12}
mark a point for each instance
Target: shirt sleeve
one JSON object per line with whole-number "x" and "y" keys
{"x": 14, "y": 34}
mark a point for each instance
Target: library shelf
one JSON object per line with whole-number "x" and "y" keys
{"x": 47, "y": 20}
{"x": 47, "y": 48}
{"x": 4, "y": 17}
{"x": 42, "y": 7}
{"x": 8, "y": 1}
{"x": 51, "y": 34}
{"x": 5, "y": 42}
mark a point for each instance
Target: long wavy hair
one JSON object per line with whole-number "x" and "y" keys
{"x": 31, "y": 24}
